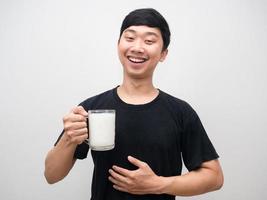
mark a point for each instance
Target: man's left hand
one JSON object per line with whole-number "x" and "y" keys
{"x": 140, "y": 181}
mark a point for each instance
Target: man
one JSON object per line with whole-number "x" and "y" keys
{"x": 155, "y": 131}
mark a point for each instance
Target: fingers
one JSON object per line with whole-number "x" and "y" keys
{"x": 139, "y": 181}
{"x": 75, "y": 125}
{"x": 72, "y": 123}
{"x": 77, "y": 132}
{"x": 78, "y": 139}
{"x": 77, "y": 114}
{"x": 75, "y": 118}
{"x": 120, "y": 188}
{"x": 128, "y": 173}
{"x": 116, "y": 178}
{"x": 122, "y": 171}
{"x": 80, "y": 110}
{"x": 136, "y": 162}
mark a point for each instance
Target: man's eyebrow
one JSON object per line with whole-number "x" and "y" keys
{"x": 130, "y": 30}
{"x": 146, "y": 33}
{"x": 152, "y": 33}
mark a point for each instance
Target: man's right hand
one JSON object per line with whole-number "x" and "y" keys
{"x": 75, "y": 126}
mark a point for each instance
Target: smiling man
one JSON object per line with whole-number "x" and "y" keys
{"x": 155, "y": 132}
{"x": 140, "y": 49}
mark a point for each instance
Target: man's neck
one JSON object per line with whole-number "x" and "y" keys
{"x": 137, "y": 91}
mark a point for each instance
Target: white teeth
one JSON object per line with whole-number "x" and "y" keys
{"x": 137, "y": 60}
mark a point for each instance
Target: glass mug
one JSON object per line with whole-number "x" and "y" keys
{"x": 101, "y": 126}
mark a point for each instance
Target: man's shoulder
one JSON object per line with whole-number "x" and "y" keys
{"x": 173, "y": 99}
{"x": 176, "y": 104}
{"x": 98, "y": 99}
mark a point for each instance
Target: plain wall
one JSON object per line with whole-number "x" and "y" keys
{"x": 56, "y": 53}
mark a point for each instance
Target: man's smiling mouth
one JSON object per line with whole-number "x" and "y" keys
{"x": 137, "y": 59}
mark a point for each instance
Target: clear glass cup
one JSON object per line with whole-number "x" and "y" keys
{"x": 101, "y": 126}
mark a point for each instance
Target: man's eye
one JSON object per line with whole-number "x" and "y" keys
{"x": 149, "y": 41}
{"x": 129, "y": 38}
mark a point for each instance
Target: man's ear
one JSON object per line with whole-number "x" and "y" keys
{"x": 163, "y": 55}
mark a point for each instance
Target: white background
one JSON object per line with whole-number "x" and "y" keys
{"x": 56, "y": 53}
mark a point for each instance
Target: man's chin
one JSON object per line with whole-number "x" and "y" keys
{"x": 138, "y": 75}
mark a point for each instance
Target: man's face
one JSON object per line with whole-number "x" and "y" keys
{"x": 140, "y": 50}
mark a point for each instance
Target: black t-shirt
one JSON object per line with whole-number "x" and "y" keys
{"x": 162, "y": 133}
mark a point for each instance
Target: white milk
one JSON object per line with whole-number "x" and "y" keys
{"x": 101, "y": 129}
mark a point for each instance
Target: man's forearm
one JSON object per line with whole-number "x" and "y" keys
{"x": 59, "y": 161}
{"x": 193, "y": 183}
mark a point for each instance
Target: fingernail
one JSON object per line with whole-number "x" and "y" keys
{"x": 115, "y": 167}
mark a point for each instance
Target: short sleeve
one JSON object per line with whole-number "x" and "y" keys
{"x": 81, "y": 150}
{"x": 196, "y": 145}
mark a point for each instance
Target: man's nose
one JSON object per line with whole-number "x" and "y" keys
{"x": 137, "y": 47}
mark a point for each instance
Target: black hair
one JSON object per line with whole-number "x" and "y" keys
{"x": 148, "y": 17}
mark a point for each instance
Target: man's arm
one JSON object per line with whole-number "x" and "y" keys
{"x": 60, "y": 160}
{"x": 208, "y": 177}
